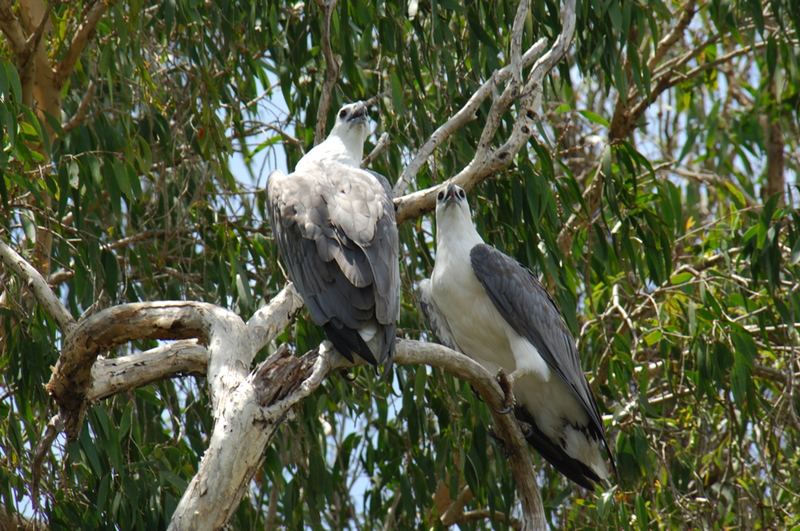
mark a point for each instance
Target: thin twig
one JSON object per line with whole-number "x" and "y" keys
{"x": 383, "y": 143}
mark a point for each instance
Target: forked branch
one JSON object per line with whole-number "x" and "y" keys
{"x": 488, "y": 161}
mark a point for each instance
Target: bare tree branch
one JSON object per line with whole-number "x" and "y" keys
{"x": 248, "y": 407}
{"x": 456, "y": 509}
{"x": 383, "y": 143}
{"x": 285, "y": 135}
{"x": 487, "y": 162}
{"x": 124, "y": 373}
{"x": 516, "y": 40}
{"x": 256, "y": 408}
{"x": 774, "y": 147}
{"x": 465, "y": 115}
{"x": 54, "y": 427}
{"x": 331, "y": 72}
{"x": 415, "y": 352}
{"x": 79, "y": 41}
{"x": 252, "y": 415}
{"x": 38, "y": 285}
{"x": 222, "y": 330}
{"x": 271, "y": 319}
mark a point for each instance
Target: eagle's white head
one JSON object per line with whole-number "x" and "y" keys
{"x": 451, "y": 204}
{"x": 352, "y": 128}
{"x": 454, "y": 217}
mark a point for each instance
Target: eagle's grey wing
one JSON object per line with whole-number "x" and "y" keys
{"x": 524, "y": 303}
{"x": 384, "y": 182}
{"x": 336, "y": 233}
{"x": 436, "y": 319}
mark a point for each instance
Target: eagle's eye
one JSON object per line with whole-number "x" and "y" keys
{"x": 461, "y": 193}
{"x": 440, "y": 195}
{"x": 342, "y": 113}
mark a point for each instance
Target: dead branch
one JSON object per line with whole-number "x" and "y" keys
{"x": 271, "y": 319}
{"x": 383, "y": 143}
{"x": 109, "y": 328}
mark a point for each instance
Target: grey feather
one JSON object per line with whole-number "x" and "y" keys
{"x": 335, "y": 229}
{"x": 524, "y": 303}
{"x": 435, "y": 317}
{"x": 384, "y": 182}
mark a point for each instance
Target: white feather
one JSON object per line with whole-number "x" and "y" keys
{"x": 484, "y": 335}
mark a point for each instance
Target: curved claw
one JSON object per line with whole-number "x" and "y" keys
{"x": 508, "y": 393}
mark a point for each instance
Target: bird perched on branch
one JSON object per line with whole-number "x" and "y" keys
{"x": 488, "y": 306}
{"x": 334, "y": 224}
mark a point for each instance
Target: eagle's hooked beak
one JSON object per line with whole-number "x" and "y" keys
{"x": 451, "y": 193}
{"x": 359, "y": 113}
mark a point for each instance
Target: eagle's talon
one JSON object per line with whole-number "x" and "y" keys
{"x": 508, "y": 394}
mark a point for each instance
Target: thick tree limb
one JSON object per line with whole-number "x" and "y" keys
{"x": 271, "y": 319}
{"x": 125, "y": 373}
{"x": 331, "y": 72}
{"x": 248, "y": 407}
{"x": 415, "y": 352}
{"x": 79, "y": 41}
{"x": 38, "y": 285}
{"x": 255, "y": 409}
{"x": 247, "y": 423}
{"x": 222, "y": 330}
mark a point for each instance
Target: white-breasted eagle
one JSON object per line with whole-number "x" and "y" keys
{"x": 334, "y": 224}
{"x": 490, "y": 307}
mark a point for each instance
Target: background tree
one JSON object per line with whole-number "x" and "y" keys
{"x": 655, "y": 190}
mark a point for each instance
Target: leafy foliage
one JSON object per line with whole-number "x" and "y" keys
{"x": 678, "y": 273}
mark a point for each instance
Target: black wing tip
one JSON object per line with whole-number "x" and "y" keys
{"x": 348, "y": 342}
{"x": 574, "y": 470}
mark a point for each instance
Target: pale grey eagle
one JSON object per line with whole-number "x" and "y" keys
{"x": 488, "y": 306}
{"x": 334, "y": 224}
